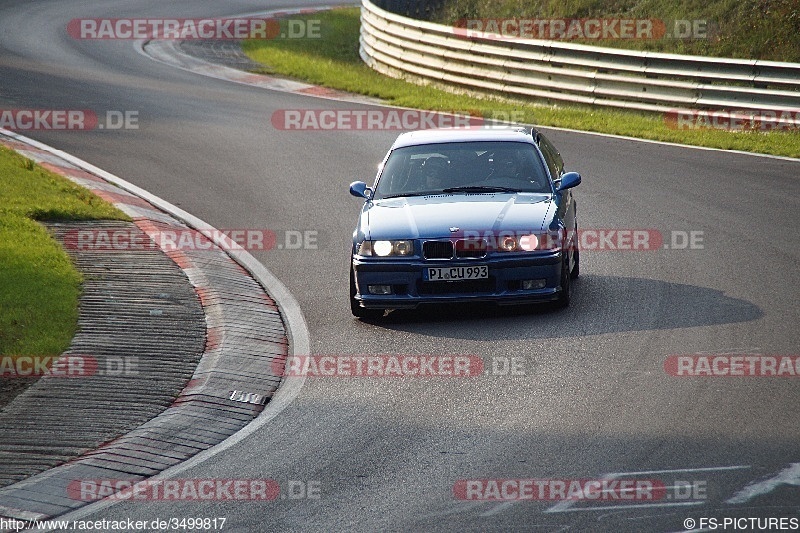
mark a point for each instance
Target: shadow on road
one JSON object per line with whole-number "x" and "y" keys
{"x": 600, "y": 304}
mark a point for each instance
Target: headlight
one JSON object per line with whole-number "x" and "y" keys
{"x": 382, "y": 248}
{"x": 529, "y": 242}
{"x": 403, "y": 247}
{"x": 507, "y": 243}
{"x": 386, "y": 248}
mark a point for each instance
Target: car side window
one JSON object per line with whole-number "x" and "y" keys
{"x": 551, "y": 157}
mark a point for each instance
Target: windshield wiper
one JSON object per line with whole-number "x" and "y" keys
{"x": 481, "y": 188}
{"x": 400, "y": 195}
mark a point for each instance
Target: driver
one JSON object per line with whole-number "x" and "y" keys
{"x": 515, "y": 164}
{"x": 434, "y": 173}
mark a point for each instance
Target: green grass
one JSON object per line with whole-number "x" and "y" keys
{"x": 750, "y": 29}
{"x": 333, "y": 61}
{"x": 39, "y": 285}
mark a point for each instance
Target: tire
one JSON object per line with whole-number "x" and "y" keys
{"x": 355, "y": 308}
{"x": 565, "y": 294}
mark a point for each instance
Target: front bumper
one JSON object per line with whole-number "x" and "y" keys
{"x": 504, "y": 285}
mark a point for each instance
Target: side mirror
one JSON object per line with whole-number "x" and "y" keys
{"x": 568, "y": 181}
{"x": 360, "y": 190}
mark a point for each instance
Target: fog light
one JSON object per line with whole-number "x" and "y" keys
{"x": 528, "y": 284}
{"x": 380, "y": 289}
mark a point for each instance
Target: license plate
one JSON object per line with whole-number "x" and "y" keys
{"x": 457, "y": 273}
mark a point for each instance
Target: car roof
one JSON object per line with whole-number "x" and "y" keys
{"x": 447, "y": 135}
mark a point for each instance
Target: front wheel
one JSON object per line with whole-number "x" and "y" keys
{"x": 355, "y": 308}
{"x": 565, "y": 294}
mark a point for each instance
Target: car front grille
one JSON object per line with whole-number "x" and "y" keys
{"x": 437, "y": 250}
{"x": 471, "y": 248}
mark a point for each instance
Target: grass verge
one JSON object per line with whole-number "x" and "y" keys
{"x": 39, "y": 285}
{"x": 750, "y": 29}
{"x": 333, "y": 61}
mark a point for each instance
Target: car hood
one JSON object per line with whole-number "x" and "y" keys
{"x": 433, "y": 216}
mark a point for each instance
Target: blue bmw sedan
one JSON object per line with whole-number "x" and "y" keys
{"x": 465, "y": 216}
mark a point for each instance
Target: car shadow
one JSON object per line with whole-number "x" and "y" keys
{"x": 600, "y": 304}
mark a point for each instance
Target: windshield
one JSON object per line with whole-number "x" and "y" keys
{"x": 471, "y": 167}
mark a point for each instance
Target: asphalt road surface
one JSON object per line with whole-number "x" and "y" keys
{"x": 590, "y": 399}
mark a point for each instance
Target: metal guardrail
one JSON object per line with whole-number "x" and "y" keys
{"x": 566, "y": 72}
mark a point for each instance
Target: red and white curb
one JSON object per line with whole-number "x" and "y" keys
{"x": 211, "y": 384}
